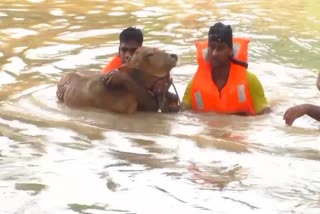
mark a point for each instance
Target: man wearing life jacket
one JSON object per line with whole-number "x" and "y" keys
{"x": 222, "y": 83}
{"x": 130, "y": 39}
{"x": 297, "y": 111}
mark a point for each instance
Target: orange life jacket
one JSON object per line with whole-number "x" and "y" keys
{"x": 113, "y": 64}
{"x": 234, "y": 96}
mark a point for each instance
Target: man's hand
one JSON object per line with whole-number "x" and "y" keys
{"x": 161, "y": 87}
{"x": 173, "y": 102}
{"x": 168, "y": 102}
{"x": 115, "y": 78}
{"x": 294, "y": 113}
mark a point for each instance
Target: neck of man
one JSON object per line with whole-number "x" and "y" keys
{"x": 220, "y": 74}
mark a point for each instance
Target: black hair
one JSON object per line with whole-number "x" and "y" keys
{"x": 131, "y": 34}
{"x": 221, "y": 33}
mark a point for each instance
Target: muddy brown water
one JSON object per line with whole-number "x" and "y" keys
{"x": 59, "y": 160}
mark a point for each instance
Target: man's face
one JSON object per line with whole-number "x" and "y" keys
{"x": 219, "y": 53}
{"x": 127, "y": 49}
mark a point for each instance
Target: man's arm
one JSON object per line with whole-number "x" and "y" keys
{"x": 186, "y": 100}
{"x": 312, "y": 111}
{"x": 146, "y": 100}
{"x": 295, "y": 112}
{"x": 256, "y": 90}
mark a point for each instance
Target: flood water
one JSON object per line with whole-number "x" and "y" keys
{"x": 54, "y": 159}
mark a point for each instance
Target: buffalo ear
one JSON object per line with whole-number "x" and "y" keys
{"x": 148, "y": 53}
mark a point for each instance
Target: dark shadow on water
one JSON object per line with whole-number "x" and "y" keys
{"x": 33, "y": 188}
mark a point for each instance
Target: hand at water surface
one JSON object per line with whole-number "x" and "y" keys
{"x": 161, "y": 86}
{"x": 294, "y": 113}
{"x": 168, "y": 102}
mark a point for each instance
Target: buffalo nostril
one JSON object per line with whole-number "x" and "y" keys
{"x": 175, "y": 56}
